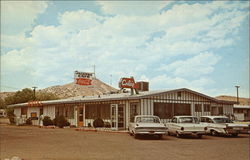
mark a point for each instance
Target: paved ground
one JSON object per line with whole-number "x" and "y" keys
{"x": 67, "y": 144}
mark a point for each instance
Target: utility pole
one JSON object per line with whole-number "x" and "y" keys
{"x": 111, "y": 80}
{"x": 237, "y": 89}
{"x": 34, "y": 90}
{"x": 94, "y": 70}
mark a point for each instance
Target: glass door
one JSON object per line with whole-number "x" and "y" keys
{"x": 121, "y": 118}
{"x": 114, "y": 116}
{"x": 80, "y": 116}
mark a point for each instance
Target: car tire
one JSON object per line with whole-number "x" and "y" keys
{"x": 199, "y": 136}
{"x": 159, "y": 136}
{"x": 169, "y": 133}
{"x": 178, "y": 135}
{"x": 235, "y": 135}
{"x": 129, "y": 132}
{"x": 136, "y": 136}
{"x": 214, "y": 133}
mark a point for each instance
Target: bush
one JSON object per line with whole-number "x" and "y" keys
{"x": 61, "y": 121}
{"x": 98, "y": 123}
{"x": 11, "y": 115}
{"x": 47, "y": 121}
{"x": 29, "y": 121}
{"x": 107, "y": 125}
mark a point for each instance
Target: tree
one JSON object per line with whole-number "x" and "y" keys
{"x": 26, "y": 95}
{"x": 42, "y": 96}
{"x": 2, "y": 104}
{"x": 22, "y": 96}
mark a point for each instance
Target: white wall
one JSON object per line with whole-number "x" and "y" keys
{"x": 33, "y": 109}
{"x": 49, "y": 111}
{"x": 17, "y": 112}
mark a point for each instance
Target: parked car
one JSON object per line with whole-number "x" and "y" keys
{"x": 147, "y": 125}
{"x": 186, "y": 125}
{"x": 247, "y": 131}
{"x": 222, "y": 125}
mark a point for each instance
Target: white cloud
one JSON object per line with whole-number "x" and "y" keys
{"x": 18, "y": 16}
{"x": 124, "y": 45}
{"x": 132, "y": 7}
{"x": 196, "y": 66}
{"x": 168, "y": 82}
{"x": 79, "y": 20}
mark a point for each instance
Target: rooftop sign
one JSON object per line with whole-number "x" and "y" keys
{"x": 127, "y": 83}
{"x": 83, "y": 78}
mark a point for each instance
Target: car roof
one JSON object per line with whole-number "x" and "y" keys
{"x": 146, "y": 116}
{"x": 184, "y": 116}
{"x": 214, "y": 117}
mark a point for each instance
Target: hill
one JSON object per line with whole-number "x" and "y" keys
{"x": 72, "y": 90}
{"x": 243, "y": 101}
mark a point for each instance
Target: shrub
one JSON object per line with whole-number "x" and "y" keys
{"x": 98, "y": 123}
{"x": 29, "y": 121}
{"x": 47, "y": 121}
{"x": 107, "y": 125}
{"x": 61, "y": 121}
{"x": 11, "y": 115}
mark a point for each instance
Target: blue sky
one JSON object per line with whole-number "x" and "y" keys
{"x": 203, "y": 45}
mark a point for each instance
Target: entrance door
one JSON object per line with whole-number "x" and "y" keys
{"x": 80, "y": 116}
{"x": 214, "y": 111}
{"x": 121, "y": 116}
{"x": 114, "y": 116}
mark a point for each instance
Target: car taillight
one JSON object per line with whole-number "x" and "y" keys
{"x": 182, "y": 128}
{"x": 205, "y": 128}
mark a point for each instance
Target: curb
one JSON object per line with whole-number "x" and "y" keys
{"x": 47, "y": 127}
{"x": 95, "y": 130}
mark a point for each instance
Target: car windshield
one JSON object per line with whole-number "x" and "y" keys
{"x": 222, "y": 120}
{"x": 147, "y": 120}
{"x": 188, "y": 120}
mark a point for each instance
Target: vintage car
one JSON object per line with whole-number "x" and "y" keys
{"x": 186, "y": 125}
{"x": 147, "y": 125}
{"x": 222, "y": 125}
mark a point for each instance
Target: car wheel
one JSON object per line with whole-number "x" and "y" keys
{"x": 214, "y": 133}
{"x": 235, "y": 134}
{"x": 169, "y": 133}
{"x": 136, "y": 136}
{"x": 129, "y": 132}
{"x": 178, "y": 135}
{"x": 199, "y": 135}
{"x": 159, "y": 136}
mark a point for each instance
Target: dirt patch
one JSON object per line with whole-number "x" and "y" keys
{"x": 47, "y": 144}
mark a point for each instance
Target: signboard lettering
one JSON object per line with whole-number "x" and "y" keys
{"x": 127, "y": 83}
{"x": 83, "y": 78}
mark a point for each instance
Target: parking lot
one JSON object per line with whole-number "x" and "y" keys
{"x": 31, "y": 143}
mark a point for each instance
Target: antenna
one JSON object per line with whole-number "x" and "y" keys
{"x": 94, "y": 70}
{"x": 110, "y": 79}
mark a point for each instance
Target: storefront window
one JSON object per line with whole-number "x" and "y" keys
{"x": 134, "y": 110}
{"x": 163, "y": 110}
{"x": 198, "y": 108}
{"x": 206, "y": 107}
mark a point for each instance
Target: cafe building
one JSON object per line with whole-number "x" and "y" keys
{"x": 119, "y": 109}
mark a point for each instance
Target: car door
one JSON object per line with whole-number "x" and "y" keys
{"x": 173, "y": 127}
{"x": 205, "y": 121}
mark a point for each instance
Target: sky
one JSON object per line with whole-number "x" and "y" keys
{"x": 203, "y": 46}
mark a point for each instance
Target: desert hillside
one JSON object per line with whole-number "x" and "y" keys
{"x": 71, "y": 90}
{"x": 243, "y": 101}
